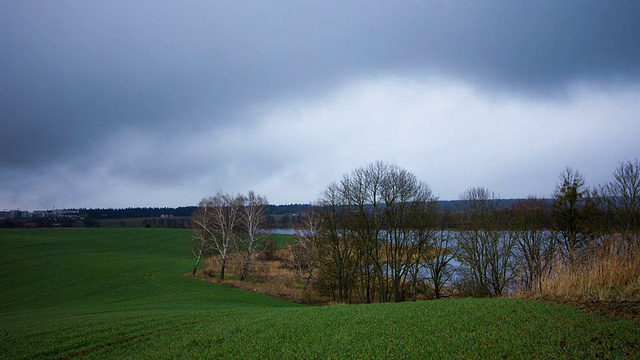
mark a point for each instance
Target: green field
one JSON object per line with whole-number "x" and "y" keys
{"x": 121, "y": 293}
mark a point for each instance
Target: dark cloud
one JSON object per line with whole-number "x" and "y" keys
{"x": 74, "y": 74}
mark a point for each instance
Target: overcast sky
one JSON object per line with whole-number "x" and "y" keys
{"x": 158, "y": 103}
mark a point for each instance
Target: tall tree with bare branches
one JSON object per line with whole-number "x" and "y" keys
{"x": 622, "y": 200}
{"x": 203, "y": 237}
{"x": 377, "y": 220}
{"x": 335, "y": 247}
{"x": 409, "y": 219}
{"x": 304, "y": 254}
{"x": 534, "y": 242}
{"x": 216, "y": 221}
{"x": 486, "y": 250}
{"x": 440, "y": 257}
{"x": 252, "y": 217}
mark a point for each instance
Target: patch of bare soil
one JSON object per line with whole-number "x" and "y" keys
{"x": 615, "y": 309}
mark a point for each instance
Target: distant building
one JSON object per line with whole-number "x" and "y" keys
{"x": 38, "y": 214}
{"x": 22, "y": 214}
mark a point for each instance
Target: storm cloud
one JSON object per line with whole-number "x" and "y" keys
{"x": 161, "y": 103}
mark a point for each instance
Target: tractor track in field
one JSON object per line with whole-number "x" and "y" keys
{"x": 123, "y": 341}
{"x": 129, "y": 339}
{"x": 151, "y": 278}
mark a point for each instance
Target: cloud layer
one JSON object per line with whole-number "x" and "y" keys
{"x": 138, "y": 104}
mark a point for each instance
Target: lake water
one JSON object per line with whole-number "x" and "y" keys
{"x": 279, "y": 231}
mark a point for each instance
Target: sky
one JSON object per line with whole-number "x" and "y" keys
{"x": 117, "y": 104}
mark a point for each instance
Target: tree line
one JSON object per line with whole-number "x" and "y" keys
{"x": 278, "y": 216}
{"x": 379, "y": 235}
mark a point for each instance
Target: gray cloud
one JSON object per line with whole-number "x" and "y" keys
{"x": 77, "y": 77}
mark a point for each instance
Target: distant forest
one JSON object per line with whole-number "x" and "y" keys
{"x": 184, "y": 211}
{"x": 278, "y": 216}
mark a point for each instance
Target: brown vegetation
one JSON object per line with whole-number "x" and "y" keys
{"x": 601, "y": 274}
{"x": 603, "y": 281}
{"x": 273, "y": 276}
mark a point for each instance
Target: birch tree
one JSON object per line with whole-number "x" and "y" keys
{"x": 252, "y": 218}
{"x": 221, "y": 215}
{"x": 202, "y": 238}
{"x": 304, "y": 254}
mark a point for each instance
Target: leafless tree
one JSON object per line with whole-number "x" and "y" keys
{"x": 335, "y": 247}
{"x": 252, "y": 218}
{"x": 443, "y": 251}
{"x": 534, "y": 242}
{"x": 221, "y": 215}
{"x": 622, "y": 200}
{"x": 304, "y": 254}
{"x": 484, "y": 247}
{"x": 409, "y": 218}
{"x": 363, "y": 216}
{"x": 202, "y": 238}
{"x": 382, "y": 213}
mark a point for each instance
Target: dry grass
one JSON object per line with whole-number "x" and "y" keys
{"x": 601, "y": 274}
{"x": 273, "y": 277}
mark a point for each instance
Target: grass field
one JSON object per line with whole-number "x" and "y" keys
{"x": 121, "y": 293}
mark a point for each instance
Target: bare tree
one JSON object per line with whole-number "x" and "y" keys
{"x": 304, "y": 254}
{"x": 484, "y": 247}
{"x": 569, "y": 220}
{"x": 335, "y": 246}
{"x": 443, "y": 251}
{"x": 202, "y": 238}
{"x": 222, "y": 221}
{"x": 378, "y": 218}
{"x": 252, "y": 217}
{"x": 534, "y": 241}
{"x": 409, "y": 218}
{"x": 475, "y": 204}
{"x": 362, "y": 192}
{"x": 622, "y": 201}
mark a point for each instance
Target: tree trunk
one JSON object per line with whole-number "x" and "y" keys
{"x": 195, "y": 268}
{"x": 245, "y": 270}
{"x": 308, "y": 281}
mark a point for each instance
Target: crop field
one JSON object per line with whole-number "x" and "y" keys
{"x": 122, "y": 293}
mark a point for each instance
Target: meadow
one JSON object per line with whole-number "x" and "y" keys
{"x": 124, "y": 293}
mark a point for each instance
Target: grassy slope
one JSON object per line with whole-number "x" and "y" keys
{"x": 113, "y": 293}
{"x": 72, "y": 290}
